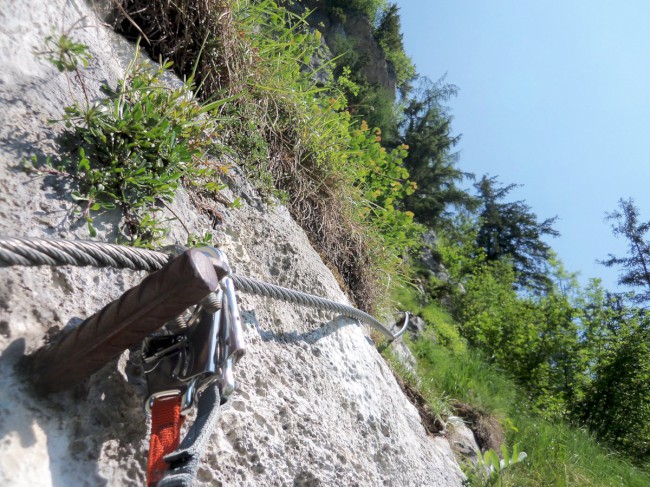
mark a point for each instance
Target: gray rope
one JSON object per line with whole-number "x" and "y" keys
{"x": 264, "y": 289}
{"x": 55, "y": 252}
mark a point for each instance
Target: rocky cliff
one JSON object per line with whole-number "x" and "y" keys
{"x": 348, "y": 30}
{"x": 315, "y": 403}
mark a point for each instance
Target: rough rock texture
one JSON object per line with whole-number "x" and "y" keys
{"x": 430, "y": 259}
{"x": 315, "y": 404}
{"x": 353, "y": 29}
{"x": 404, "y": 355}
{"x": 462, "y": 439}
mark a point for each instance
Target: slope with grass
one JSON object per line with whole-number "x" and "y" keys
{"x": 456, "y": 379}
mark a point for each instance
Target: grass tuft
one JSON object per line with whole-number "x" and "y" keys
{"x": 291, "y": 129}
{"x": 132, "y": 149}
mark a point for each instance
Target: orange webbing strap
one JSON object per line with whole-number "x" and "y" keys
{"x": 166, "y": 422}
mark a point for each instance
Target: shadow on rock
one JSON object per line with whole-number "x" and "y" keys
{"x": 103, "y": 416}
{"x": 310, "y": 337}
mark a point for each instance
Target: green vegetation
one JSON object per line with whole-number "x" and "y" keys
{"x": 426, "y": 129}
{"x": 636, "y": 265}
{"x": 132, "y": 149}
{"x": 370, "y": 8}
{"x": 297, "y": 138}
{"x": 580, "y": 355}
{"x": 491, "y": 470}
{"x": 557, "y": 453}
{"x": 374, "y": 98}
{"x": 65, "y": 53}
{"x": 510, "y": 229}
{"x": 512, "y": 344}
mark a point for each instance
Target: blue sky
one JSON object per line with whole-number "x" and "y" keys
{"x": 554, "y": 95}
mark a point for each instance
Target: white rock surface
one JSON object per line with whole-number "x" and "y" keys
{"x": 462, "y": 439}
{"x": 403, "y": 354}
{"x": 315, "y": 405}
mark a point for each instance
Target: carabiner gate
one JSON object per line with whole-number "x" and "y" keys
{"x": 203, "y": 354}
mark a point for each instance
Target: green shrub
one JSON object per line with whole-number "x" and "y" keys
{"x": 132, "y": 149}
{"x": 341, "y": 184}
{"x": 381, "y": 175}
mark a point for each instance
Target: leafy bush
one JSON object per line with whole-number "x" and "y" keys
{"x": 381, "y": 175}
{"x": 132, "y": 149}
{"x": 491, "y": 470}
{"x": 374, "y": 103}
{"x": 534, "y": 339}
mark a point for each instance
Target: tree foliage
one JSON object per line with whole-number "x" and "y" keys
{"x": 431, "y": 162}
{"x": 533, "y": 338}
{"x": 635, "y": 267}
{"x": 616, "y": 403}
{"x": 370, "y": 8}
{"x": 510, "y": 230}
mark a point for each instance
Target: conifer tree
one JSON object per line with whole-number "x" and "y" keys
{"x": 431, "y": 162}
{"x": 635, "y": 267}
{"x": 510, "y": 230}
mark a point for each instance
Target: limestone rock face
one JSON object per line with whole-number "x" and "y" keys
{"x": 462, "y": 439}
{"x": 315, "y": 403}
{"x": 353, "y": 31}
{"x": 404, "y": 355}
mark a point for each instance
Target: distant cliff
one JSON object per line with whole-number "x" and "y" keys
{"x": 348, "y": 30}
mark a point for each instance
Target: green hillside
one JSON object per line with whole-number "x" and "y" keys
{"x": 325, "y": 112}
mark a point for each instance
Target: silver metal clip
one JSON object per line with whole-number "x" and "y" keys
{"x": 205, "y": 353}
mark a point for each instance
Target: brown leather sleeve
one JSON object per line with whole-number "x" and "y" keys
{"x": 160, "y": 297}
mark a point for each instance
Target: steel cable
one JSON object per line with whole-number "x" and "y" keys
{"x": 35, "y": 251}
{"x": 55, "y": 252}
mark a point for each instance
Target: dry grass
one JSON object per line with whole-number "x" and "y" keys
{"x": 181, "y": 31}
{"x": 318, "y": 201}
{"x": 318, "y": 197}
